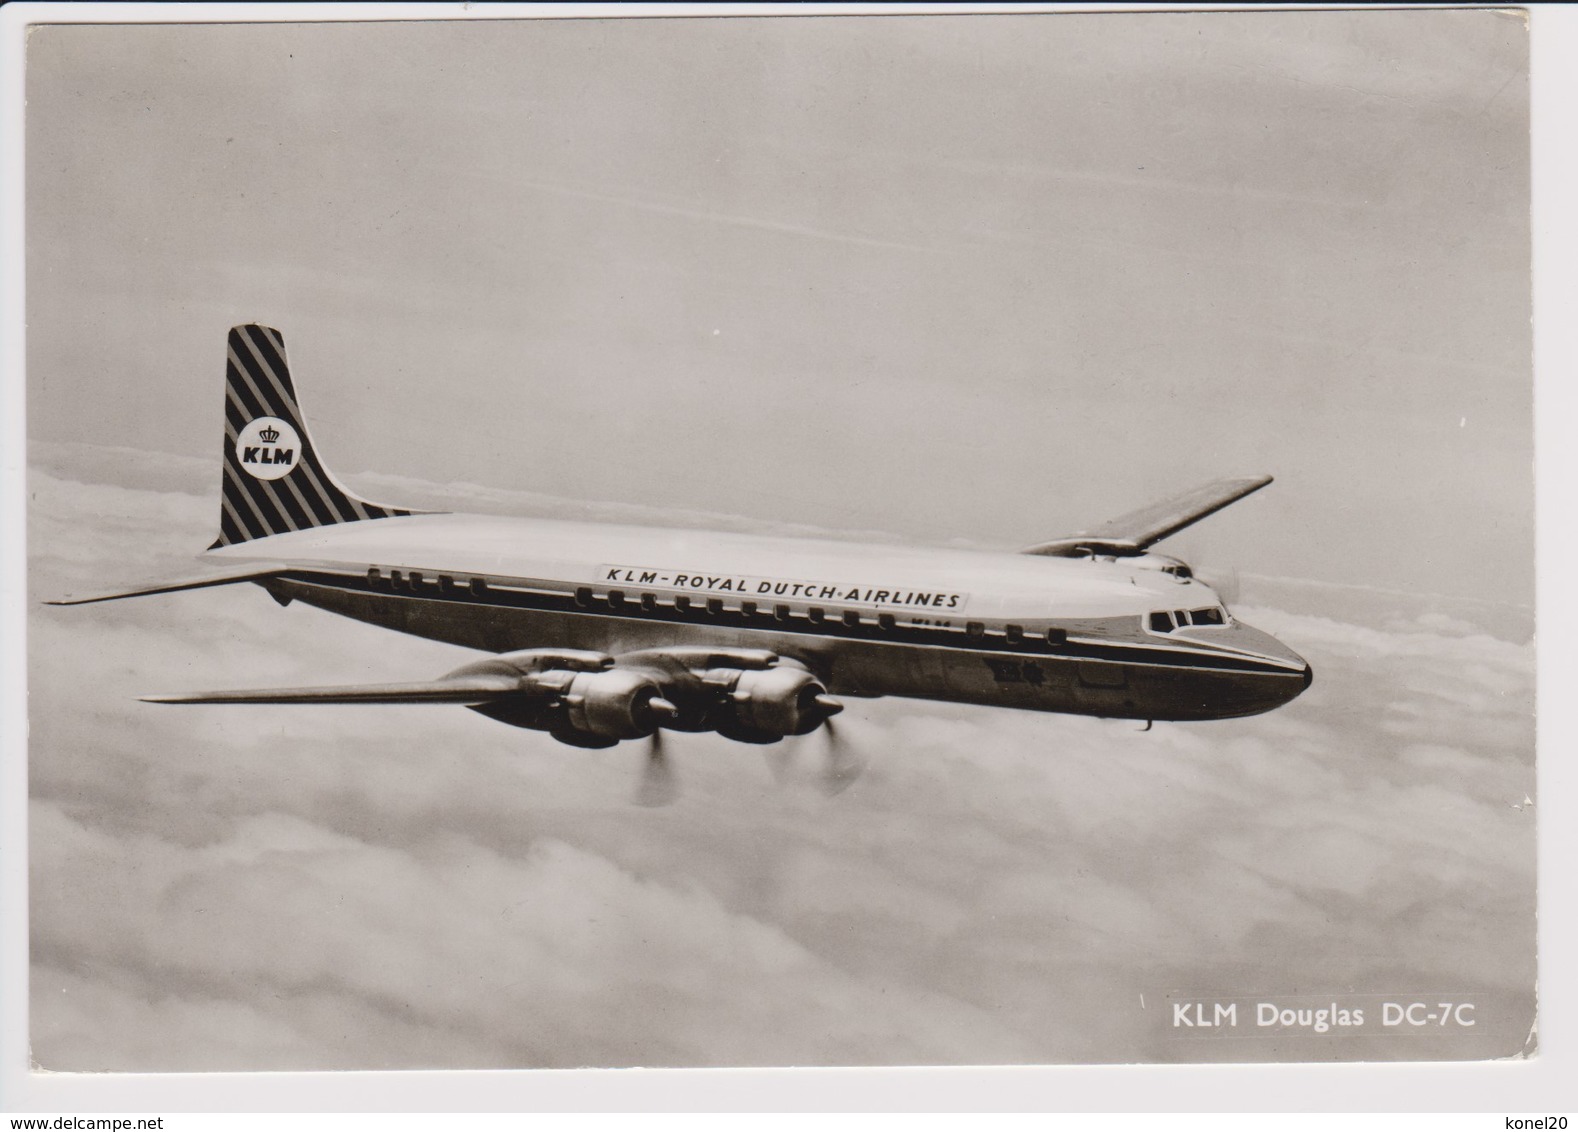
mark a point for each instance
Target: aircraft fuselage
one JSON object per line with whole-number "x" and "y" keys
{"x": 1091, "y": 636}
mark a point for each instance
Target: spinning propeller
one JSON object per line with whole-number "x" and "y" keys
{"x": 659, "y": 786}
{"x": 1221, "y": 578}
{"x": 844, "y": 764}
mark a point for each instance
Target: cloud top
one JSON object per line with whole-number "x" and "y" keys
{"x": 256, "y": 888}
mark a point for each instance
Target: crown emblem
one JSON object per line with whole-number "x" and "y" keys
{"x": 268, "y": 434}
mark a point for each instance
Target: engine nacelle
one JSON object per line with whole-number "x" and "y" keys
{"x": 615, "y": 704}
{"x": 1176, "y": 568}
{"x": 774, "y": 702}
{"x": 1122, "y": 550}
{"x": 578, "y": 696}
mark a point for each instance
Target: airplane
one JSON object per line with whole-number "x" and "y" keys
{"x": 603, "y": 633}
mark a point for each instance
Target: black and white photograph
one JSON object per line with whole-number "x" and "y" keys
{"x": 744, "y": 540}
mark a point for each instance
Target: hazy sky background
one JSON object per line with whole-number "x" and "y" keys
{"x": 983, "y": 277}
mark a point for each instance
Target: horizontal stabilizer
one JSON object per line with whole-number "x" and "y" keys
{"x": 251, "y": 572}
{"x": 1133, "y": 532}
{"x": 477, "y": 689}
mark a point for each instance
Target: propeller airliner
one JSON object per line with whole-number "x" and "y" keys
{"x": 602, "y": 633}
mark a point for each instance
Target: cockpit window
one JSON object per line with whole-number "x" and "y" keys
{"x": 1165, "y": 622}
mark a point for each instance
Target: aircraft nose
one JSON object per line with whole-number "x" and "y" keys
{"x": 1263, "y": 646}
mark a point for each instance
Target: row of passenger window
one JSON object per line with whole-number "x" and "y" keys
{"x": 816, "y": 615}
{"x": 1165, "y": 621}
{"x": 414, "y": 581}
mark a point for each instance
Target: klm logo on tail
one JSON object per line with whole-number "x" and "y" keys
{"x": 267, "y": 448}
{"x": 274, "y": 481}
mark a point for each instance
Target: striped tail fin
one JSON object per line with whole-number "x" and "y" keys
{"x": 274, "y": 481}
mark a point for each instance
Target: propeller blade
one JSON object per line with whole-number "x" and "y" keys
{"x": 1227, "y": 588}
{"x": 658, "y": 785}
{"x": 779, "y": 758}
{"x": 844, "y": 765}
{"x": 1221, "y": 578}
{"x": 1224, "y": 582}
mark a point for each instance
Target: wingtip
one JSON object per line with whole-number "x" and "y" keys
{"x": 71, "y": 599}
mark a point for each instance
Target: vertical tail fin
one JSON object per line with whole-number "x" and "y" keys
{"x": 274, "y": 481}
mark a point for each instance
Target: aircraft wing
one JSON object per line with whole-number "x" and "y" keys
{"x": 251, "y": 572}
{"x": 475, "y": 689}
{"x": 1133, "y": 532}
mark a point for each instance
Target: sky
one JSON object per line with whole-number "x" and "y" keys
{"x": 984, "y": 280}
{"x": 980, "y": 278}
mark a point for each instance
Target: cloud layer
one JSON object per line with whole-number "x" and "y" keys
{"x": 254, "y": 888}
